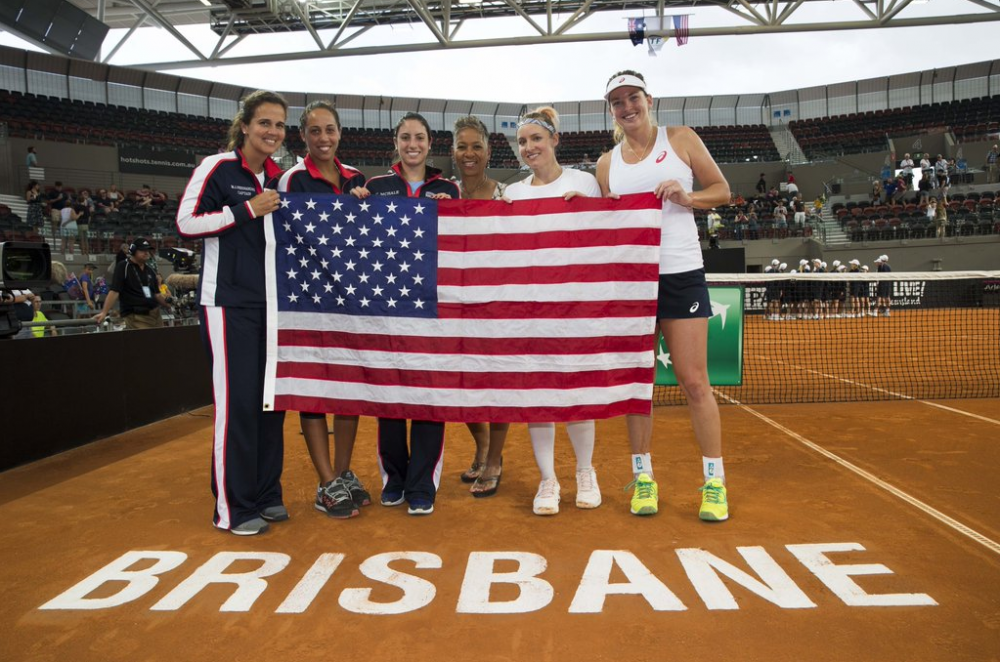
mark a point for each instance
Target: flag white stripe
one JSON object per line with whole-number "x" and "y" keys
{"x": 584, "y": 327}
{"x": 550, "y": 257}
{"x": 465, "y": 398}
{"x": 480, "y": 363}
{"x": 569, "y": 221}
{"x": 549, "y": 292}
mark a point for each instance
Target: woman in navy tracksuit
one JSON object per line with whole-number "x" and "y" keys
{"x": 412, "y": 476}
{"x": 225, "y": 203}
{"x": 340, "y": 494}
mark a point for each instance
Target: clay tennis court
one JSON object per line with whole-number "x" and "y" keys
{"x": 858, "y": 530}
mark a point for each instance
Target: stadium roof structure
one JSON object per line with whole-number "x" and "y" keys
{"x": 332, "y": 25}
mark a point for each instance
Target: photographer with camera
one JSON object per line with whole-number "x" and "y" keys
{"x": 136, "y": 285}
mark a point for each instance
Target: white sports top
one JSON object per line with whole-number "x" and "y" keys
{"x": 680, "y": 249}
{"x": 569, "y": 180}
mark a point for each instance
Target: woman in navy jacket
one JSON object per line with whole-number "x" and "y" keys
{"x": 412, "y": 476}
{"x": 224, "y": 204}
{"x": 340, "y": 494}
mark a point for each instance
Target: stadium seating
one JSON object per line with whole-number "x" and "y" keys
{"x": 972, "y": 119}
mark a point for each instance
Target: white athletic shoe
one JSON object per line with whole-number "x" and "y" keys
{"x": 588, "y": 494}
{"x": 547, "y": 499}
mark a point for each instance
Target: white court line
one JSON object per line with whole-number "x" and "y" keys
{"x": 902, "y": 396}
{"x": 990, "y": 544}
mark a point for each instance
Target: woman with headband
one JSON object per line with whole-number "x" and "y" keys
{"x": 537, "y": 139}
{"x": 340, "y": 493}
{"x": 411, "y": 475}
{"x": 472, "y": 156}
{"x": 665, "y": 161}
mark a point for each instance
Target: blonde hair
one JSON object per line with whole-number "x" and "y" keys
{"x": 619, "y": 133}
{"x": 245, "y": 116}
{"x": 547, "y": 114}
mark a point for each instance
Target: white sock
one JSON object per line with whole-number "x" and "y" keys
{"x": 581, "y": 435}
{"x": 712, "y": 468}
{"x": 543, "y": 441}
{"x": 642, "y": 463}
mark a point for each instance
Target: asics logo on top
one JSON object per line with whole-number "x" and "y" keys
{"x": 663, "y": 155}
{"x": 694, "y": 307}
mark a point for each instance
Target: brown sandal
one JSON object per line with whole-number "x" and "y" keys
{"x": 472, "y": 475}
{"x": 493, "y": 483}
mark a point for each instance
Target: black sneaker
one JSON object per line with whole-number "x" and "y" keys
{"x": 358, "y": 492}
{"x": 335, "y": 500}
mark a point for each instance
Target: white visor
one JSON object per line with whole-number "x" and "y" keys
{"x": 625, "y": 80}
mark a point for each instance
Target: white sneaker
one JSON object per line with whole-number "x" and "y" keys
{"x": 547, "y": 499}
{"x": 588, "y": 494}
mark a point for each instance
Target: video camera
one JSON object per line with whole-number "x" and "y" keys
{"x": 184, "y": 260}
{"x": 23, "y": 266}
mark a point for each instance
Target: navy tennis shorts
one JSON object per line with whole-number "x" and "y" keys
{"x": 683, "y": 296}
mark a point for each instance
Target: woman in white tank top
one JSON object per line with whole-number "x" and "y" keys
{"x": 666, "y": 161}
{"x": 537, "y": 137}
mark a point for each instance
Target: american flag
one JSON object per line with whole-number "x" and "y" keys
{"x": 462, "y": 310}
{"x": 681, "y": 29}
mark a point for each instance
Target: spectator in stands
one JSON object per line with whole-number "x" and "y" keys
{"x": 931, "y": 209}
{"x": 158, "y": 197}
{"x": 781, "y": 216}
{"x": 225, "y": 203}
{"x": 753, "y": 224}
{"x": 800, "y": 211}
{"x": 32, "y": 159}
{"x": 33, "y": 196}
{"x": 739, "y": 201}
{"x": 84, "y": 212}
{"x": 907, "y": 165}
{"x": 135, "y": 283}
{"x": 144, "y": 197}
{"x": 471, "y": 140}
{"x": 791, "y": 187}
{"x": 900, "y": 193}
{"x": 68, "y": 228}
{"x": 991, "y": 165}
{"x": 684, "y": 306}
{"x": 741, "y": 225}
{"x": 339, "y": 494}
{"x": 878, "y": 192}
{"x": 104, "y": 203}
{"x": 114, "y": 196}
{"x": 941, "y": 219}
{"x": 925, "y": 189}
{"x": 927, "y": 169}
{"x": 87, "y": 288}
{"x": 761, "y": 185}
{"x": 941, "y": 170}
{"x": 889, "y": 190}
{"x": 57, "y": 199}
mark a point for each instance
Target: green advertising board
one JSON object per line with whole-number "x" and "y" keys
{"x": 725, "y": 342}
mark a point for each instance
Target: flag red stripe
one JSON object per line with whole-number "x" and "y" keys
{"x": 463, "y": 414}
{"x": 568, "y": 310}
{"x": 543, "y": 206}
{"x": 466, "y": 380}
{"x": 464, "y": 345}
{"x": 585, "y": 273}
{"x": 556, "y": 239}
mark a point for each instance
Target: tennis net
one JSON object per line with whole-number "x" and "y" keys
{"x": 830, "y": 337}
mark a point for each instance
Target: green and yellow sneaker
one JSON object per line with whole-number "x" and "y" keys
{"x": 645, "y": 499}
{"x": 714, "y": 505}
